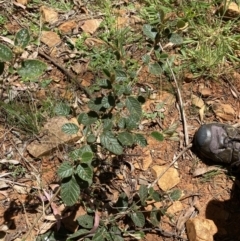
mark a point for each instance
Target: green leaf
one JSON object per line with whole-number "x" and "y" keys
{"x": 155, "y": 68}
{"x": 108, "y": 101}
{"x": 154, "y": 195}
{"x": 95, "y": 104}
{"x": 138, "y": 219}
{"x": 86, "y": 157}
{"x": 62, "y": 109}
{"x": 146, "y": 59}
{"x": 88, "y": 118}
{"x": 122, "y": 123}
{"x": 101, "y": 235}
{"x": 86, "y": 221}
{"x": 70, "y": 128}
{"x": 77, "y": 234}
{"x": 181, "y": 24}
{"x": 70, "y": 191}
{"x": 143, "y": 193}
{"x": 6, "y": 54}
{"x": 126, "y": 138}
{"x": 131, "y": 122}
{"x": 140, "y": 139}
{"x": 22, "y": 38}
{"x": 155, "y": 217}
{"x": 134, "y": 107}
{"x": 120, "y": 75}
{"x": 109, "y": 141}
{"x": 65, "y": 170}
{"x": 176, "y": 39}
{"x": 122, "y": 202}
{"x": 32, "y": 69}
{"x": 91, "y": 138}
{"x": 83, "y": 119}
{"x": 157, "y": 135}
{"x": 107, "y": 124}
{"x": 149, "y": 31}
{"x": 76, "y": 154}
{"x": 84, "y": 172}
{"x": 176, "y": 194}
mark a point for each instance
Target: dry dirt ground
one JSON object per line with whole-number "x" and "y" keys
{"x": 214, "y": 196}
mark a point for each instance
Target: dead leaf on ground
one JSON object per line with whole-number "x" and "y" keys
{"x": 23, "y": 2}
{"x": 200, "y": 229}
{"x": 49, "y": 15}
{"x": 169, "y": 179}
{"x": 67, "y": 27}
{"x": 93, "y": 42}
{"x": 203, "y": 170}
{"x": 175, "y": 207}
{"x": 122, "y": 22}
{"x": 224, "y": 111}
{"x": 90, "y": 26}
{"x": 50, "y": 38}
{"x": 145, "y": 161}
{"x": 53, "y": 136}
{"x": 197, "y": 101}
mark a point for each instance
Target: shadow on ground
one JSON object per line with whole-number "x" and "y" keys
{"x": 226, "y": 215}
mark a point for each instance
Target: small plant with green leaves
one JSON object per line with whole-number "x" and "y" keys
{"x": 31, "y": 69}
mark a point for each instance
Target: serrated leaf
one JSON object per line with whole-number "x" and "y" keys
{"x": 77, "y": 234}
{"x": 126, "y": 138}
{"x": 176, "y": 194}
{"x": 140, "y": 139}
{"x": 70, "y": 128}
{"x": 131, "y": 122}
{"x": 108, "y": 101}
{"x": 109, "y": 141}
{"x": 32, "y": 69}
{"x": 138, "y": 219}
{"x": 76, "y": 154}
{"x": 120, "y": 75}
{"x": 86, "y": 221}
{"x": 107, "y": 124}
{"x": 143, "y": 193}
{"x": 95, "y": 104}
{"x": 70, "y": 191}
{"x": 65, "y": 170}
{"x": 121, "y": 123}
{"x": 83, "y": 119}
{"x": 155, "y": 68}
{"x": 134, "y": 107}
{"x": 22, "y": 38}
{"x": 157, "y": 135}
{"x": 86, "y": 157}
{"x": 6, "y": 54}
{"x": 85, "y": 172}
{"x": 176, "y": 39}
{"x": 149, "y": 31}
{"x": 62, "y": 109}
